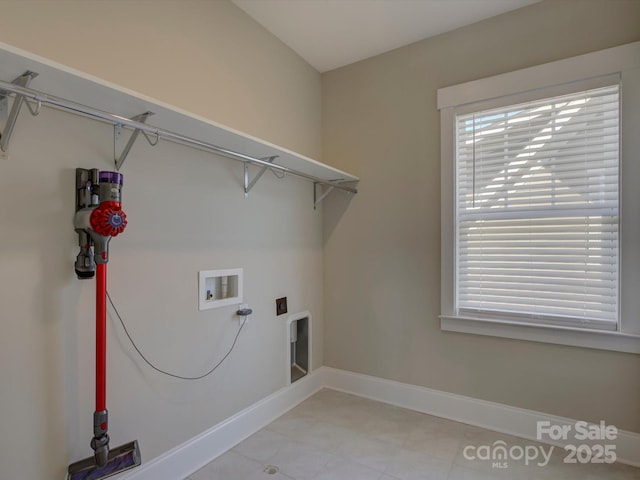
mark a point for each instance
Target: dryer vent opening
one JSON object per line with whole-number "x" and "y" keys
{"x": 299, "y": 348}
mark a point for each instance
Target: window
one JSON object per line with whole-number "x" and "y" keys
{"x": 537, "y": 210}
{"x": 539, "y": 241}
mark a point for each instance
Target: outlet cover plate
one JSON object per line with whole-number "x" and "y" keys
{"x": 281, "y": 306}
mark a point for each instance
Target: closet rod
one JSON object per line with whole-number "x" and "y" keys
{"x": 114, "y": 119}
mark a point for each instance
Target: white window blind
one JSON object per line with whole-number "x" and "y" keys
{"x": 537, "y": 210}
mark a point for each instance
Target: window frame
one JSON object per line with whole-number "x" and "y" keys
{"x": 545, "y": 81}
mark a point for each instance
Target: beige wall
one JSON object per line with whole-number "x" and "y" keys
{"x": 186, "y": 213}
{"x": 206, "y": 56}
{"x": 382, "y": 254}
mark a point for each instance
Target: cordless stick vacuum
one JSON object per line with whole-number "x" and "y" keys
{"x": 99, "y": 217}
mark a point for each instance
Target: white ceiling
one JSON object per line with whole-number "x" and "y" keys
{"x": 332, "y": 33}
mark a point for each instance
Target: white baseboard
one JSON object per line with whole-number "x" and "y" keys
{"x": 493, "y": 416}
{"x": 183, "y": 460}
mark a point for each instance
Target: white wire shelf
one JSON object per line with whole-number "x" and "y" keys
{"x": 59, "y": 86}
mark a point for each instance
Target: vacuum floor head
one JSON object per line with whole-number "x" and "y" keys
{"x": 120, "y": 459}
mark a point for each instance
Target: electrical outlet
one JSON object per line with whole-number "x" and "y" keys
{"x": 281, "y": 306}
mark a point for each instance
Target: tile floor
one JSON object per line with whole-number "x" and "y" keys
{"x": 336, "y": 436}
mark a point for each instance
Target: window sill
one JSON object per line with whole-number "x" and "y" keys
{"x": 577, "y": 337}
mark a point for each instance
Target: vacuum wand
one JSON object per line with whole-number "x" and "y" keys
{"x": 100, "y": 441}
{"x": 101, "y": 339}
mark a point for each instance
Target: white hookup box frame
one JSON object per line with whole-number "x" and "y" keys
{"x": 219, "y": 288}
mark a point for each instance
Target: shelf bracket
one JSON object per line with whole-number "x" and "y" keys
{"x": 248, "y": 185}
{"x": 8, "y": 118}
{"x": 317, "y": 199}
{"x": 320, "y": 195}
{"x": 117, "y": 134}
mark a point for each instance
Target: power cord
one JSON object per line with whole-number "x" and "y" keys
{"x": 244, "y": 313}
